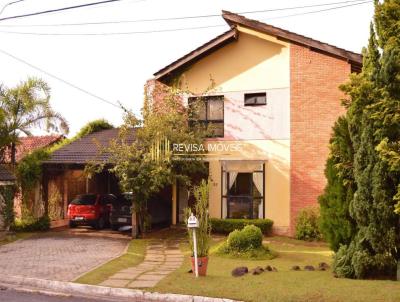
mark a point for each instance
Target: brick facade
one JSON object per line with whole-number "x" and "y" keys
{"x": 314, "y": 107}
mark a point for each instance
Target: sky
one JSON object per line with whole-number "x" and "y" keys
{"x": 116, "y": 67}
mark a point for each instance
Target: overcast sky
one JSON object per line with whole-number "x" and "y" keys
{"x": 115, "y": 67}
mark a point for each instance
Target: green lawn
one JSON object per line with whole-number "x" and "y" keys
{"x": 284, "y": 285}
{"x": 134, "y": 255}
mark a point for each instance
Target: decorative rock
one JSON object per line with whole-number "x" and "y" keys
{"x": 190, "y": 271}
{"x": 309, "y": 268}
{"x": 274, "y": 269}
{"x": 322, "y": 266}
{"x": 257, "y": 271}
{"x": 240, "y": 271}
{"x": 295, "y": 268}
{"x": 268, "y": 268}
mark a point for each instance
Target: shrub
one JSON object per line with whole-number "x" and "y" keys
{"x": 32, "y": 225}
{"x": 245, "y": 244}
{"x": 307, "y": 224}
{"x": 226, "y": 226}
{"x": 203, "y": 232}
{"x": 249, "y": 238}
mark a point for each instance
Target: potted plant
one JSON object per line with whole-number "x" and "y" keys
{"x": 203, "y": 232}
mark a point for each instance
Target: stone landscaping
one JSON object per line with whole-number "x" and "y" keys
{"x": 162, "y": 258}
{"x": 243, "y": 270}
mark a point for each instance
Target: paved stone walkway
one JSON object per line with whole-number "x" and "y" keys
{"x": 57, "y": 255}
{"x": 162, "y": 258}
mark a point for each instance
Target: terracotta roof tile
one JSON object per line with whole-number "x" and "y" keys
{"x": 31, "y": 143}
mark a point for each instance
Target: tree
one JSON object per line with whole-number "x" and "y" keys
{"x": 373, "y": 115}
{"x": 148, "y": 164}
{"x": 336, "y": 224}
{"x": 25, "y": 107}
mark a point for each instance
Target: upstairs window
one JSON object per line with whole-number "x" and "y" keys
{"x": 255, "y": 99}
{"x": 209, "y": 110}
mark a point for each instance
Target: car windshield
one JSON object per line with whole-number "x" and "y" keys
{"x": 85, "y": 200}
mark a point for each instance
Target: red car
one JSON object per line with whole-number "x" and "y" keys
{"x": 90, "y": 209}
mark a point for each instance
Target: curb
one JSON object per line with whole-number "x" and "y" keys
{"x": 84, "y": 289}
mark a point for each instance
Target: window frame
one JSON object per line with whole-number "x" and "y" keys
{"x": 255, "y": 94}
{"x": 207, "y": 121}
{"x": 227, "y": 195}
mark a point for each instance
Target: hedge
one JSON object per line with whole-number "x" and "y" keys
{"x": 225, "y": 226}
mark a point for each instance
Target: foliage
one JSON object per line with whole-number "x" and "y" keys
{"x": 27, "y": 106}
{"x": 93, "y": 126}
{"x": 148, "y": 164}
{"x": 307, "y": 224}
{"x": 55, "y": 209}
{"x": 7, "y": 205}
{"x": 31, "y": 224}
{"x": 29, "y": 169}
{"x": 373, "y": 116}
{"x": 250, "y": 237}
{"x": 245, "y": 244}
{"x": 203, "y": 232}
{"x": 336, "y": 224}
{"x": 225, "y": 226}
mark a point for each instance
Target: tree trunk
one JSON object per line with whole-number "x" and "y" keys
{"x": 135, "y": 231}
{"x": 13, "y": 153}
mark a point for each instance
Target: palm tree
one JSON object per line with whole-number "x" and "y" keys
{"x": 25, "y": 107}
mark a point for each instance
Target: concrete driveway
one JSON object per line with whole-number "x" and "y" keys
{"x": 62, "y": 255}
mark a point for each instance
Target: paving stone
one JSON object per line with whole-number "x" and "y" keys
{"x": 142, "y": 284}
{"x": 115, "y": 283}
{"x": 124, "y": 275}
{"x": 172, "y": 252}
{"x": 132, "y": 270}
{"x": 163, "y": 272}
{"x": 59, "y": 256}
{"x": 150, "y": 277}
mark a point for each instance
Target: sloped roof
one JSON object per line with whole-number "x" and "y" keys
{"x": 87, "y": 148}
{"x": 5, "y": 174}
{"x": 199, "y": 52}
{"x": 31, "y": 143}
{"x": 234, "y": 20}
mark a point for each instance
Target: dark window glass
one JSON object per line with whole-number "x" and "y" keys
{"x": 244, "y": 194}
{"x": 254, "y": 99}
{"x": 242, "y": 184}
{"x": 85, "y": 199}
{"x": 209, "y": 110}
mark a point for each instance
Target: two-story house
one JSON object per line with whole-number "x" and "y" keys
{"x": 274, "y": 100}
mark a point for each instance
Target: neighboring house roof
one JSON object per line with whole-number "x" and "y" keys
{"x": 86, "y": 149}
{"x": 31, "y": 143}
{"x": 5, "y": 174}
{"x": 234, "y": 20}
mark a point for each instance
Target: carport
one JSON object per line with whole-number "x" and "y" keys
{"x": 64, "y": 178}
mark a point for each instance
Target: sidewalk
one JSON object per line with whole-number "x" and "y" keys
{"x": 162, "y": 258}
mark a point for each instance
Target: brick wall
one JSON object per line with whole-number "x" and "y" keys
{"x": 314, "y": 107}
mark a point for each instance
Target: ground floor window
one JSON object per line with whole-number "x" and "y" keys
{"x": 243, "y": 189}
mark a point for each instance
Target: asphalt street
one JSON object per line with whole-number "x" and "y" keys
{"x": 11, "y": 295}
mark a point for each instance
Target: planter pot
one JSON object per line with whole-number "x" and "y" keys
{"x": 202, "y": 265}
